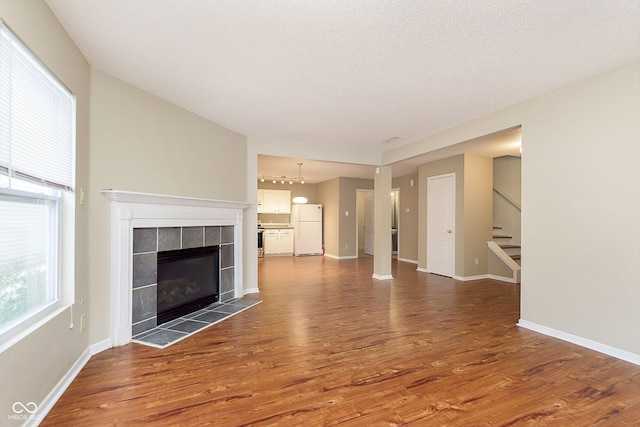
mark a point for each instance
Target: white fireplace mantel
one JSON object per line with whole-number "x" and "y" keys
{"x": 131, "y": 210}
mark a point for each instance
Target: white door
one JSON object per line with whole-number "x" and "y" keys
{"x": 440, "y": 224}
{"x": 368, "y": 224}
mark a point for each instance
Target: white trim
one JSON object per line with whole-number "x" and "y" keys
{"x": 341, "y": 257}
{"x": 251, "y": 291}
{"x": 99, "y": 347}
{"x": 163, "y": 199}
{"x": 470, "y": 278}
{"x": 411, "y": 261}
{"x": 382, "y": 276}
{"x": 583, "y": 342}
{"x": 54, "y": 395}
{"x": 131, "y": 210}
{"x": 506, "y": 259}
{"x": 503, "y": 279}
{"x": 422, "y": 270}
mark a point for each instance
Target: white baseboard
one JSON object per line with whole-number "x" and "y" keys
{"x": 341, "y": 257}
{"x": 422, "y": 270}
{"x": 502, "y": 278}
{"x": 469, "y": 278}
{"x": 382, "y": 276}
{"x": 251, "y": 291}
{"x": 410, "y": 261}
{"x": 55, "y": 394}
{"x": 583, "y": 342}
{"x": 99, "y": 347}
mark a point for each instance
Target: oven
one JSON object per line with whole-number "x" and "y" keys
{"x": 260, "y": 246}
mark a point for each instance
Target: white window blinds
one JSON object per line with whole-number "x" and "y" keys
{"x": 37, "y": 119}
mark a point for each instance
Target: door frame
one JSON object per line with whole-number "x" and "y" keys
{"x": 430, "y": 223}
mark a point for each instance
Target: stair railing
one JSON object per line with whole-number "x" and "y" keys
{"x": 506, "y": 259}
{"x": 508, "y": 199}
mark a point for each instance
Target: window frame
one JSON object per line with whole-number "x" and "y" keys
{"x": 54, "y": 266}
{"x": 60, "y": 271}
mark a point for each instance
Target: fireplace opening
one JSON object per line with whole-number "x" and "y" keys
{"x": 188, "y": 280}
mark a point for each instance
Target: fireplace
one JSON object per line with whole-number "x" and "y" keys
{"x": 188, "y": 280}
{"x": 143, "y": 225}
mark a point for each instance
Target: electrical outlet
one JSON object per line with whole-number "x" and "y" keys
{"x": 83, "y": 321}
{"x": 346, "y": 246}
{"x": 477, "y": 261}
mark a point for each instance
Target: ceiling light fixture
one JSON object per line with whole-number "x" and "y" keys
{"x": 299, "y": 198}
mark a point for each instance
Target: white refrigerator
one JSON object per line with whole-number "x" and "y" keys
{"x": 306, "y": 220}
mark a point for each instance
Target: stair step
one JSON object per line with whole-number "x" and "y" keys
{"x": 515, "y": 257}
{"x": 510, "y": 246}
{"x": 501, "y": 236}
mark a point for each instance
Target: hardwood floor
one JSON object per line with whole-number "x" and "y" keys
{"x": 329, "y": 345}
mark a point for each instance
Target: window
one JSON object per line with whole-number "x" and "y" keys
{"x": 37, "y": 147}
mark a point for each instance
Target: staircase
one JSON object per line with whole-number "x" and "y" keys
{"x": 503, "y": 240}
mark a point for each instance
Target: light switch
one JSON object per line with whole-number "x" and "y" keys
{"x": 346, "y": 213}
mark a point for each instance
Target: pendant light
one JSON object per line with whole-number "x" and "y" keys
{"x": 299, "y": 198}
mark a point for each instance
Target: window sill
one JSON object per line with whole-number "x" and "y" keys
{"x": 22, "y": 330}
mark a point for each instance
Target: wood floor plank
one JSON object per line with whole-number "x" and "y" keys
{"x": 330, "y": 345}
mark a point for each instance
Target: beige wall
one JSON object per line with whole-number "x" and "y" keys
{"x": 349, "y": 202}
{"x": 33, "y": 366}
{"x": 581, "y": 205}
{"x": 408, "y": 221}
{"x": 338, "y": 196}
{"x": 580, "y": 175}
{"x": 506, "y": 177}
{"x": 478, "y": 213}
{"x": 142, "y": 143}
{"x": 327, "y": 195}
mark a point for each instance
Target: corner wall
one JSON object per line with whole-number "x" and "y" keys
{"x": 478, "y": 214}
{"x": 580, "y": 181}
{"x": 581, "y": 210}
{"x": 142, "y": 143}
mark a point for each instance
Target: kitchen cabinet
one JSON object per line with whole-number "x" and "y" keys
{"x": 278, "y": 241}
{"x": 274, "y": 201}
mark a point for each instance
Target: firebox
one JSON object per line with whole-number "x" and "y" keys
{"x": 188, "y": 280}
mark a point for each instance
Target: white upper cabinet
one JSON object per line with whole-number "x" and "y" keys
{"x": 274, "y": 201}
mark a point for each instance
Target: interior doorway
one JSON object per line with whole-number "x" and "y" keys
{"x": 365, "y": 212}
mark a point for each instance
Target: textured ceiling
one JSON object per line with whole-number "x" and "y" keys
{"x": 350, "y": 73}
